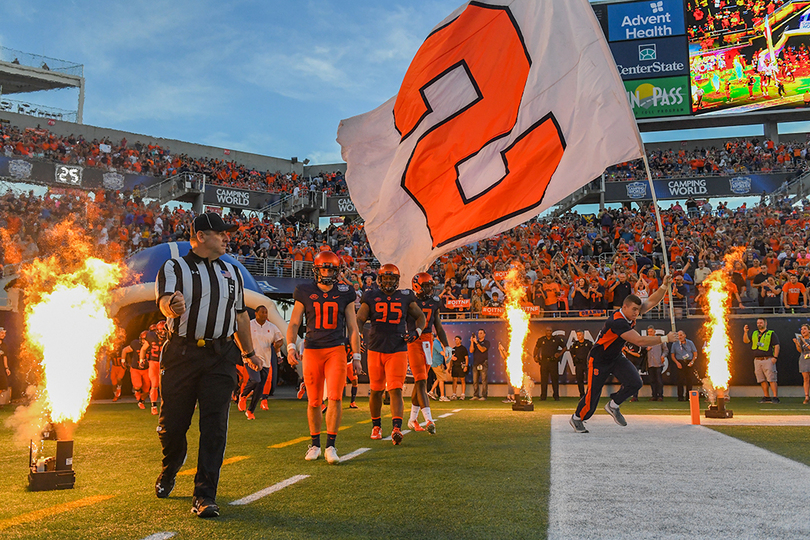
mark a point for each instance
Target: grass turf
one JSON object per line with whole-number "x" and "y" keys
{"x": 484, "y": 475}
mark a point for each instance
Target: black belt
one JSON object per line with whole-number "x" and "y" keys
{"x": 204, "y": 342}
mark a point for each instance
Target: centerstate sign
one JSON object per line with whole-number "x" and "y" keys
{"x": 653, "y": 98}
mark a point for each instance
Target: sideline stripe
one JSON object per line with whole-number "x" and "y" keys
{"x": 352, "y": 455}
{"x": 365, "y": 421}
{"x": 160, "y": 536}
{"x": 457, "y": 410}
{"x": 38, "y": 515}
{"x": 341, "y": 428}
{"x": 290, "y": 443}
{"x": 404, "y": 431}
{"x": 267, "y": 491}
{"x": 228, "y": 461}
{"x": 445, "y": 415}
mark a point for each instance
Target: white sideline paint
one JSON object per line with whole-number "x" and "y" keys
{"x": 662, "y": 478}
{"x": 267, "y": 491}
{"x": 759, "y": 420}
{"x": 457, "y": 410}
{"x": 160, "y": 536}
{"x": 445, "y": 415}
{"x": 352, "y": 455}
{"x": 404, "y": 431}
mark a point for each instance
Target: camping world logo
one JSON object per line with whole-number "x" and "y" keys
{"x": 740, "y": 185}
{"x": 636, "y": 190}
{"x": 647, "y": 53}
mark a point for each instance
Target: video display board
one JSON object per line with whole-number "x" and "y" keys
{"x": 748, "y": 55}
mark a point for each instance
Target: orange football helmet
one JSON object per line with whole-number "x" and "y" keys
{"x": 422, "y": 285}
{"x": 325, "y": 266}
{"x": 388, "y": 278}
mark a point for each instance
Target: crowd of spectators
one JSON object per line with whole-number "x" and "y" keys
{"x": 741, "y": 156}
{"x": 572, "y": 264}
{"x": 153, "y": 160}
{"x": 725, "y": 22}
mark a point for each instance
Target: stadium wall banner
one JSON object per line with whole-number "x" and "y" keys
{"x": 742, "y": 358}
{"x": 339, "y": 206}
{"x": 646, "y": 19}
{"x": 70, "y": 176}
{"x": 700, "y": 187}
{"x": 653, "y": 98}
{"x": 237, "y": 198}
{"x": 662, "y": 57}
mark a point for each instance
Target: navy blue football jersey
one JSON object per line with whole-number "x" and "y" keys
{"x": 388, "y": 314}
{"x": 430, "y": 308}
{"x": 325, "y": 313}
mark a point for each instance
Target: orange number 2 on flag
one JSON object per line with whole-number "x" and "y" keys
{"x": 487, "y": 44}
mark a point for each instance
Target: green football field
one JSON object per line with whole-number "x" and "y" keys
{"x": 485, "y": 474}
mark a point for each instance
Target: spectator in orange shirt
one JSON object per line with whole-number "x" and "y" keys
{"x": 794, "y": 292}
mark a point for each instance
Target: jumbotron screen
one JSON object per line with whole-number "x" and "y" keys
{"x": 748, "y": 55}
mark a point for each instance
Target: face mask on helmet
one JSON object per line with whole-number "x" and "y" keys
{"x": 326, "y": 274}
{"x": 389, "y": 283}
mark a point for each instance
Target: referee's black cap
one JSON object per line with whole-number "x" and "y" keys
{"x": 212, "y": 222}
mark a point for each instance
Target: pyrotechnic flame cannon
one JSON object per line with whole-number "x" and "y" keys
{"x": 54, "y": 472}
{"x": 718, "y": 410}
{"x": 523, "y": 399}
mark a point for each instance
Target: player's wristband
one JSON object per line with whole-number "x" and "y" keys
{"x": 251, "y": 354}
{"x": 664, "y": 339}
{"x": 290, "y": 347}
{"x": 357, "y": 356}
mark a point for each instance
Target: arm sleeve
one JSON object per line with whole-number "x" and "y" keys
{"x": 166, "y": 283}
{"x": 239, "y": 301}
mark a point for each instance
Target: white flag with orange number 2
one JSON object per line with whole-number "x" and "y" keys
{"x": 506, "y": 109}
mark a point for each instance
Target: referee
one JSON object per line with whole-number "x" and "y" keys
{"x": 203, "y": 300}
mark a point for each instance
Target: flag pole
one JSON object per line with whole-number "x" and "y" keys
{"x": 661, "y": 237}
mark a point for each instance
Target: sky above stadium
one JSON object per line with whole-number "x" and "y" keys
{"x": 272, "y": 77}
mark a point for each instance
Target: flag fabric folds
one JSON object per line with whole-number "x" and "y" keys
{"x": 507, "y": 108}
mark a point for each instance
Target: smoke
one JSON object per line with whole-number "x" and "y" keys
{"x": 28, "y": 421}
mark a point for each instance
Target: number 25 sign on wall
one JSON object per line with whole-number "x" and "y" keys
{"x": 504, "y": 110}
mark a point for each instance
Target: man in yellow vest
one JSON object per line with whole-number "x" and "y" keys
{"x": 765, "y": 344}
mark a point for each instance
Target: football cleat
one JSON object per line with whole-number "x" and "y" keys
{"x": 396, "y": 436}
{"x": 376, "y": 433}
{"x": 331, "y": 455}
{"x": 414, "y": 425}
{"x": 616, "y": 414}
{"x": 302, "y": 389}
{"x": 313, "y": 453}
{"x": 242, "y": 403}
{"x": 431, "y": 427}
{"x": 154, "y": 410}
{"x": 205, "y": 508}
{"x": 141, "y": 405}
{"x": 164, "y": 487}
{"x": 250, "y": 415}
{"x": 352, "y": 405}
{"x": 117, "y": 395}
{"x": 263, "y": 405}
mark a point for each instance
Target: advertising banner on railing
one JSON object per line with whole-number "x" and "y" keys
{"x": 742, "y": 357}
{"x": 339, "y": 206}
{"x": 70, "y": 176}
{"x": 698, "y": 187}
{"x": 229, "y": 197}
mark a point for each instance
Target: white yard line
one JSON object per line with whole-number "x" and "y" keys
{"x": 352, "y": 455}
{"x": 404, "y": 431}
{"x": 267, "y": 491}
{"x": 445, "y": 415}
{"x": 662, "y": 478}
{"x": 160, "y": 536}
{"x": 457, "y": 410}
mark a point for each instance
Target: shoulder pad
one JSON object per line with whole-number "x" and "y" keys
{"x": 405, "y": 292}
{"x": 342, "y": 287}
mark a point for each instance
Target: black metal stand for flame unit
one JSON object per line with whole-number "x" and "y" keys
{"x": 521, "y": 404}
{"x": 48, "y": 474}
{"x": 719, "y": 410}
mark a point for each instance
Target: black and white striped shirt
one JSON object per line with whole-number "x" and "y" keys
{"x": 214, "y": 294}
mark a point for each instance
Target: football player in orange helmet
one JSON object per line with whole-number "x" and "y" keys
{"x": 388, "y": 309}
{"x": 420, "y": 351}
{"x": 329, "y": 307}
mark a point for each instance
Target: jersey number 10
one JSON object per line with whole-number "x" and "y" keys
{"x": 326, "y": 315}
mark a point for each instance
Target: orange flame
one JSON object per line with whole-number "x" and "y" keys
{"x": 66, "y": 323}
{"x": 718, "y": 300}
{"x": 517, "y": 323}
